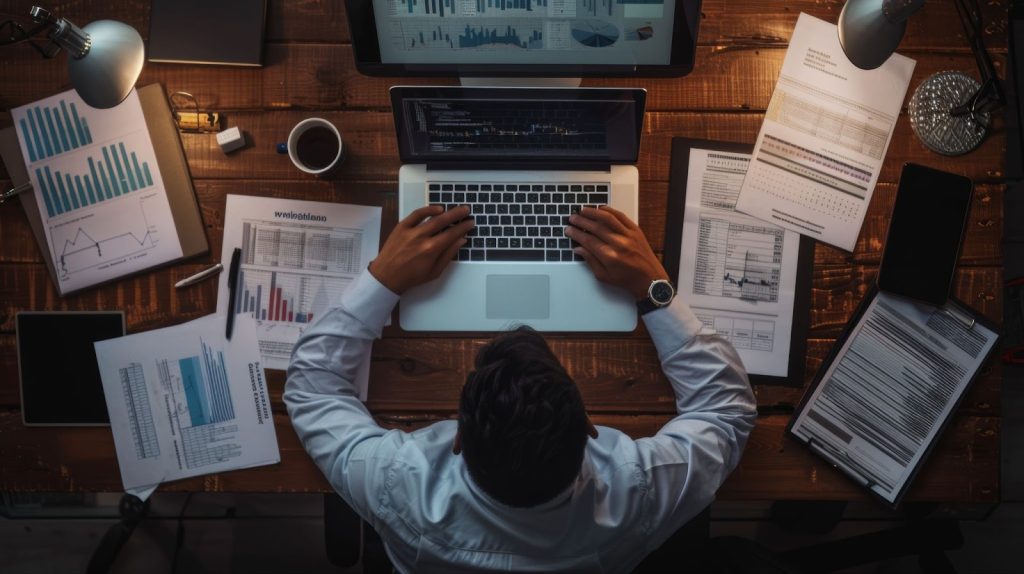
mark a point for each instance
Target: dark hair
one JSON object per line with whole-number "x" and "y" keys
{"x": 522, "y": 420}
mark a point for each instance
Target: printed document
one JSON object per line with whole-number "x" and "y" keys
{"x": 736, "y": 272}
{"x": 96, "y": 180}
{"x": 824, "y": 137}
{"x": 183, "y": 401}
{"x": 893, "y": 383}
{"x": 298, "y": 257}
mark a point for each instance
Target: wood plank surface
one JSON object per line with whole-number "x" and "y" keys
{"x": 416, "y": 377}
{"x": 50, "y": 459}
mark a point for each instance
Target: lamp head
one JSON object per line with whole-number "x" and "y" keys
{"x": 104, "y": 59}
{"x": 871, "y": 30}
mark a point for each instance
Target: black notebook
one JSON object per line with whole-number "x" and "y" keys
{"x": 224, "y": 32}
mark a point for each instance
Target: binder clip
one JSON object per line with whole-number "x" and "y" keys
{"x": 194, "y": 121}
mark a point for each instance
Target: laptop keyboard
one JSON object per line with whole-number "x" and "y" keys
{"x": 518, "y": 221}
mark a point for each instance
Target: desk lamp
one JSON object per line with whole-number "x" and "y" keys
{"x": 105, "y": 57}
{"x": 870, "y": 30}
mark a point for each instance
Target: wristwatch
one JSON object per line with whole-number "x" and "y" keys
{"x": 659, "y": 294}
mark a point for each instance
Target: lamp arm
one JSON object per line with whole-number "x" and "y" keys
{"x": 63, "y": 33}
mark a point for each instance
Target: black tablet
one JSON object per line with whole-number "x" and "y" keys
{"x": 60, "y": 381}
{"x": 534, "y": 38}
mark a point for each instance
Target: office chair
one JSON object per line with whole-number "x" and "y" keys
{"x": 348, "y": 538}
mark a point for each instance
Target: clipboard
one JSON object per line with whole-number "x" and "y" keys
{"x": 958, "y": 311}
{"x": 170, "y": 157}
{"x": 673, "y": 246}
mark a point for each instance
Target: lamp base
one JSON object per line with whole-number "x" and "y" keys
{"x": 937, "y": 129}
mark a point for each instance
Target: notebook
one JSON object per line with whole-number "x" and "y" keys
{"x": 225, "y": 32}
{"x": 523, "y": 159}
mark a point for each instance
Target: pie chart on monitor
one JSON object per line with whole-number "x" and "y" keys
{"x": 595, "y": 33}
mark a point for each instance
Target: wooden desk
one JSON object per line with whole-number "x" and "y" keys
{"x": 415, "y": 379}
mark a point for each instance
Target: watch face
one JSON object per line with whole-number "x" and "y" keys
{"x": 662, "y": 292}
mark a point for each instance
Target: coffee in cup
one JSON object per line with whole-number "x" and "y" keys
{"x": 315, "y": 146}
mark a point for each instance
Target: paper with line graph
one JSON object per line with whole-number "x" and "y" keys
{"x": 736, "y": 272}
{"x": 824, "y": 137}
{"x": 95, "y": 177}
{"x": 183, "y": 401}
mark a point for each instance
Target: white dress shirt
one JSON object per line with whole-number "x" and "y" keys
{"x": 630, "y": 496}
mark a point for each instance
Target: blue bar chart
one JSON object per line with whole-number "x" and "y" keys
{"x": 49, "y": 131}
{"x": 207, "y": 392}
{"x": 113, "y": 172}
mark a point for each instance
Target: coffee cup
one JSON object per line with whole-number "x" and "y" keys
{"x": 315, "y": 146}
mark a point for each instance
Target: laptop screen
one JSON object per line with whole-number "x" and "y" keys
{"x": 545, "y": 125}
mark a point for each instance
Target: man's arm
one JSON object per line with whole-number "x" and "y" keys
{"x": 690, "y": 457}
{"x": 321, "y": 394}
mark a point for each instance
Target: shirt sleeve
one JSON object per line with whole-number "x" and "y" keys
{"x": 321, "y": 392}
{"x": 690, "y": 457}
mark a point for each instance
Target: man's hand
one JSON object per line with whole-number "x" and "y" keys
{"x": 420, "y": 247}
{"x": 615, "y": 249}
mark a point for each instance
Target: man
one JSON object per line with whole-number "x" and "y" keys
{"x": 522, "y": 481}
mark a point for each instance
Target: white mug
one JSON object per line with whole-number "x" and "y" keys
{"x": 315, "y": 146}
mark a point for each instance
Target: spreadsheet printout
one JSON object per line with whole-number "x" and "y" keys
{"x": 824, "y": 137}
{"x": 298, "y": 257}
{"x": 184, "y": 401}
{"x": 737, "y": 273}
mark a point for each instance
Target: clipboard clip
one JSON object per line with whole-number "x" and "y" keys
{"x": 966, "y": 321}
{"x": 14, "y": 191}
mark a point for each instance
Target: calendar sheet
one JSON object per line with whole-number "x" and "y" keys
{"x": 824, "y": 137}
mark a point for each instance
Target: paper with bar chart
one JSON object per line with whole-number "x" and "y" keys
{"x": 298, "y": 257}
{"x": 183, "y": 401}
{"x": 736, "y": 272}
{"x": 823, "y": 140}
{"x": 626, "y": 32}
{"x": 96, "y": 180}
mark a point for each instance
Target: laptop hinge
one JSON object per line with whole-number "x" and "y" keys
{"x": 519, "y": 166}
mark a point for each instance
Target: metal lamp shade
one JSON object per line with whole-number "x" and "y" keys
{"x": 107, "y": 73}
{"x": 867, "y": 35}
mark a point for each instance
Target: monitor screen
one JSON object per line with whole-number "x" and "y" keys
{"x": 524, "y": 37}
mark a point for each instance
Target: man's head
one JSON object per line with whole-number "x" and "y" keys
{"x": 522, "y": 424}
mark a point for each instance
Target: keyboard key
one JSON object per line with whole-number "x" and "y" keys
{"x": 435, "y": 187}
{"x": 503, "y": 243}
{"x": 463, "y": 255}
{"x": 575, "y": 208}
{"x": 499, "y": 187}
{"x": 598, "y": 198}
{"x": 493, "y": 220}
{"x": 554, "y": 256}
{"x": 556, "y": 232}
{"x": 471, "y": 232}
{"x": 518, "y": 220}
{"x": 526, "y": 208}
{"x": 485, "y": 187}
{"x": 460, "y": 187}
{"x": 492, "y": 243}
{"x": 478, "y": 208}
{"x": 473, "y": 187}
{"x": 525, "y": 187}
{"x": 556, "y": 198}
{"x": 567, "y": 255}
{"x": 563, "y": 188}
{"x": 520, "y": 198}
{"x": 551, "y": 209}
{"x": 527, "y": 242}
{"x": 503, "y": 208}
{"x": 434, "y": 197}
{"x": 542, "y": 220}
{"x": 545, "y": 198}
{"x": 545, "y": 232}
{"x": 516, "y": 255}
{"x": 576, "y": 256}
{"x": 471, "y": 197}
{"x": 533, "y": 231}
{"x": 495, "y": 231}
{"x": 588, "y": 188}
{"x": 530, "y": 220}
{"x": 521, "y": 231}
{"x": 495, "y": 198}
{"x": 532, "y": 197}
{"x": 549, "y": 188}
{"x": 565, "y": 220}
{"x": 446, "y": 187}
{"x": 506, "y": 220}
{"x": 446, "y": 197}
{"x": 563, "y": 209}
{"x": 515, "y": 243}
{"x": 602, "y": 188}
{"x": 484, "y": 231}
{"x": 460, "y": 197}
{"x": 538, "y": 188}
{"x": 576, "y": 188}
{"x": 514, "y": 209}
{"x": 477, "y": 255}
{"x": 508, "y": 231}
{"x": 551, "y": 243}
{"x": 478, "y": 243}
{"x": 490, "y": 208}
{"x": 508, "y": 197}
{"x": 563, "y": 243}
{"x": 570, "y": 198}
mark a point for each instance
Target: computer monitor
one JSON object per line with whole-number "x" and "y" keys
{"x": 534, "y": 38}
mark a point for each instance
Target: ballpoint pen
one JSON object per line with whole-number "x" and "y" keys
{"x": 193, "y": 279}
{"x": 236, "y": 260}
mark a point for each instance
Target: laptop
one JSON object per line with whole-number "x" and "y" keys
{"x": 523, "y": 160}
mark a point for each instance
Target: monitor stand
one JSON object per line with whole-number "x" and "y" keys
{"x": 520, "y": 82}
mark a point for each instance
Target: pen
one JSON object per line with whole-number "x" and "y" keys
{"x": 236, "y": 260}
{"x": 193, "y": 279}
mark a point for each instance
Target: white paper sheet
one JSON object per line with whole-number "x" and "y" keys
{"x": 736, "y": 272}
{"x": 183, "y": 401}
{"x": 824, "y": 137}
{"x": 894, "y": 382}
{"x": 98, "y": 187}
{"x": 298, "y": 257}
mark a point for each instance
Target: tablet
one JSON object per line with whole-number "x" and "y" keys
{"x": 60, "y": 381}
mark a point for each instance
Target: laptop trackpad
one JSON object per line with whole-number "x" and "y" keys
{"x": 518, "y": 296}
